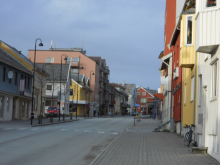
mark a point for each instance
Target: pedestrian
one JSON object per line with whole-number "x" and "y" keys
{"x": 94, "y": 112}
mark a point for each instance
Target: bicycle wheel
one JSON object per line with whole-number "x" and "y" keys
{"x": 190, "y": 138}
{"x": 186, "y": 139}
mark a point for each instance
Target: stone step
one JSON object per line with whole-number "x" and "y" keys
{"x": 199, "y": 150}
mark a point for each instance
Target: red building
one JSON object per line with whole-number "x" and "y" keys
{"x": 176, "y": 85}
{"x": 145, "y": 98}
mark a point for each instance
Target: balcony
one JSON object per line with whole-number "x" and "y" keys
{"x": 101, "y": 78}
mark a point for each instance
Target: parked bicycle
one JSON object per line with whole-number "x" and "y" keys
{"x": 189, "y": 136}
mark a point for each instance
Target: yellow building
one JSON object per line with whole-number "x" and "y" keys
{"x": 80, "y": 95}
{"x": 187, "y": 62}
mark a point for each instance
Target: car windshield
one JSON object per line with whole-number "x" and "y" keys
{"x": 52, "y": 108}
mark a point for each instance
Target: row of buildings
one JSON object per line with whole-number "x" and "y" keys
{"x": 68, "y": 78}
{"x": 190, "y": 70}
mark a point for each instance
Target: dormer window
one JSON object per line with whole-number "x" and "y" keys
{"x": 211, "y": 3}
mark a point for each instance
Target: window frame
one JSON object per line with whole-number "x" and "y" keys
{"x": 192, "y": 88}
{"x": 50, "y": 88}
{"x": 138, "y": 93}
{"x": 206, "y": 4}
{"x": 4, "y": 74}
{"x": 214, "y": 79}
{"x": 144, "y": 93}
{"x": 186, "y": 30}
{"x": 200, "y": 90}
{"x": 76, "y": 60}
{"x": 143, "y": 99}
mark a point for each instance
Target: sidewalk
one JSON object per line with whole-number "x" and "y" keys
{"x": 27, "y": 123}
{"x": 140, "y": 146}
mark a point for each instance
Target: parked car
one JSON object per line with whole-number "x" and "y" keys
{"x": 53, "y": 111}
{"x": 134, "y": 113}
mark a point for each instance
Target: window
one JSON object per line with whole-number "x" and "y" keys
{"x": 28, "y": 83}
{"x": 143, "y": 101}
{"x": 68, "y": 60}
{"x": 211, "y": 3}
{"x": 75, "y": 70}
{"x": 143, "y": 93}
{"x": 48, "y": 103}
{"x": 9, "y": 80}
{"x": 199, "y": 90}
{"x": 22, "y": 76}
{"x": 138, "y": 93}
{"x": 25, "y": 81}
{"x": 192, "y": 87}
{"x": 49, "y": 87}
{"x": 189, "y": 30}
{"x": 214, "y": 79}
{"x": 3, "y": 74}
{"x": 16, "y": 78}
{"x": 185, "y": 95}
{"x": 7, "y": 103}
{"x": 50, "y": 60}
{"x": 75, "y": 60}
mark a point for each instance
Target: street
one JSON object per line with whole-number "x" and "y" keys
{"x": 75, "y": 142}
{"x": 95, "y": 141}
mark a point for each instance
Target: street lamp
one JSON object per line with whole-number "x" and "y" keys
{"x": 60, "y": 86}
{"x": 77, "y": 87}
{"x": 89, "y": 88}
{"x": 32, "y": 106}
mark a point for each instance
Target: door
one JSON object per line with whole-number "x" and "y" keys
{"x": 1, "y": 106}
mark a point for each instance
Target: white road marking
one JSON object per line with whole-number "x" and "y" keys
{"x": 63, "y": 129}
{"x": 115, "y": 133}
{"x": 8, "y": 129}
{"x": 34, "y": 129}
{"x": 101, "y": 132}
{"x": 20, "y": 129}
{"x": 76, "y": 130}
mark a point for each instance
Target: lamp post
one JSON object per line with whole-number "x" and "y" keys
{"x": 60, "y": 86}
{"x": 32, "y": 105}
{"x": 77, "y": 87}
{"x": 89, "y": 88}
{"x": 136, "y": 105}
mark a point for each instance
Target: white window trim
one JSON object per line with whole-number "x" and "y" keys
{"x": 192, "y": 88}
{"x": 210, "y": 8}
{"x": 144, "y": 93}
{"x": 185, "y": 96}
{"x": 200, "y": 88}
{"x": 75, "y": 58}
{"x": 214, "y": 97}
{"x": 186, "y": 30}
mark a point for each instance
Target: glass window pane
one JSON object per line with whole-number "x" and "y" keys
{"x": 211, "y": 3}
{"x": 189, "y": 30}
{"x": 75, "y": 60}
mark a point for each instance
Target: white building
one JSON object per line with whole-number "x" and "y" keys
{"x": 208, "y": 53}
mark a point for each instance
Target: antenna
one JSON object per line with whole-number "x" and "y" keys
{"x": 51, "y": 44}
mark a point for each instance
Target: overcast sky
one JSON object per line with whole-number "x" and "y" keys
{"x": 129, "y": 34}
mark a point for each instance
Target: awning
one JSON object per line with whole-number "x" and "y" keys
{"x": 165, "y": 61}
{"x": 207, "y": 49}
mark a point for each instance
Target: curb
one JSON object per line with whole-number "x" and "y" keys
{"x": 39, "y": 125}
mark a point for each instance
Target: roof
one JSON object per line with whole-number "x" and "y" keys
{"x": 54, "y": 71}
{"x": 128, "y": 88}
{"x": 116, "y": 85}
{"x": 95, "y": 58}
{"x": 77, "y": 77}
{"x": 161, "y": 54}
{"x": 159, "y": 95}
{"x": 9, "y": 60}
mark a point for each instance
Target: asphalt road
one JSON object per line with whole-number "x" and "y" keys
{"x": 72, "y": 143}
